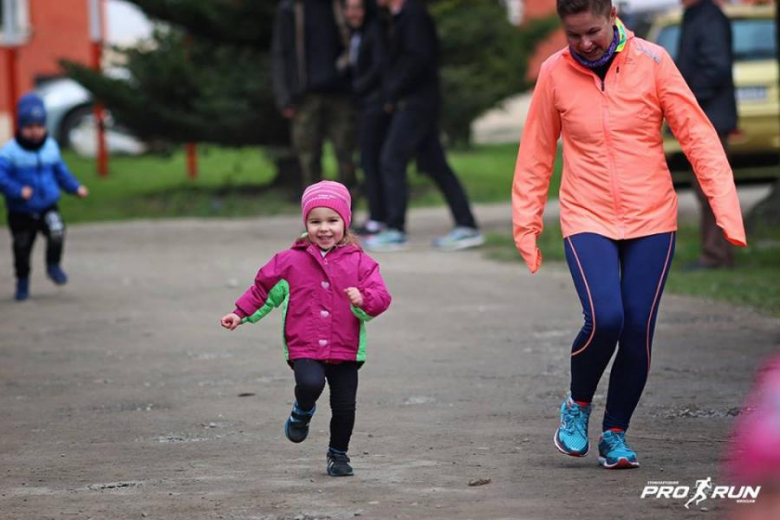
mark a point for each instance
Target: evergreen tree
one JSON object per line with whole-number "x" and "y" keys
{"x": 205, "y": 75}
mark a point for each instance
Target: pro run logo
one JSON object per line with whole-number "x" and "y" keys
{"x": 703, "y": 490}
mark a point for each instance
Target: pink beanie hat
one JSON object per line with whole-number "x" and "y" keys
{"x": 328, "y": 194}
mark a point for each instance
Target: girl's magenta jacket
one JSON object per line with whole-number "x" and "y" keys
{"x": 318, "y": 320}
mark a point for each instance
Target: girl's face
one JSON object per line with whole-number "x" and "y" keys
{"x": 325, "y": 228}
{"x": 590, "y": 35}
{"x": 34, "y": 133}
{"x": 355, "y": 13}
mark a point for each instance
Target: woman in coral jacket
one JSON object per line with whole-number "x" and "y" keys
{"x": 606, "y": 95}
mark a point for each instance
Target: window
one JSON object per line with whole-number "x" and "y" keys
{"x": 754, "y": 39}
{"x": 14, "y": 21}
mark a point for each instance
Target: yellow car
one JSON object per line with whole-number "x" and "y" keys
{"x": 755, "y": 79}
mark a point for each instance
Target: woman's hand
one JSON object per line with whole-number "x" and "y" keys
{"x": 231, "y": 321}
{"x": 355, "y": 298}
{"x": 82, "y": 192}
{"x": 27, "y": 192}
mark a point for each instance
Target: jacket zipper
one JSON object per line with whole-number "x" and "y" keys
{"x": 616, "y": 199}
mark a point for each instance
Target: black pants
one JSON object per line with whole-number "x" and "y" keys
{"x": 374, "y": 123}
{"x": 416, "y": 132}
{"x": 25, "y": 227}
{"x": 310, "y": 376}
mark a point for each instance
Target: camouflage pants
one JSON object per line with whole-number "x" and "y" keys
{"x": 321, "y": 116}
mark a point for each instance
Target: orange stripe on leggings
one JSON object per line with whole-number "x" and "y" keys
{"x": 590, "y": 299}
{"x": 655, "y": 300}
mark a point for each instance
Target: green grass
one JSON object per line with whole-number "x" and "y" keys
{"x": 236, "y": 182}
{"x": 755, "y": 281}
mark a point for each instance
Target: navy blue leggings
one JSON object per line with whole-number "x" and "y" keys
{"x": 619, "y": 283}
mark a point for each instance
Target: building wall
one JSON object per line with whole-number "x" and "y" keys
{"x": 533, "y": 9}
{"x": 59, "y": 29}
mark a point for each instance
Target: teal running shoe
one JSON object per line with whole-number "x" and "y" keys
{"x": 296, "y": 428}
{"x": 614, "y": 453}
{"x": 458, "y": 239}
{"x": 387, "y": 240}
{"x": 571, "y": 438}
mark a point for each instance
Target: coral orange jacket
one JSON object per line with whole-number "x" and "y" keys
{"x": 615, "y": 179}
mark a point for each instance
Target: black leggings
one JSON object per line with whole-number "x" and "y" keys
{"x": 24, "y": 228}
{"x": 342, "y": 379}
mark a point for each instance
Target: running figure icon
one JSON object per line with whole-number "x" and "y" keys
{"x": 701, "y": 491}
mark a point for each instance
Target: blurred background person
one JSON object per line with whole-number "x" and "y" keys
{"x": 367, "y": 60}
{"x": 705, "y": 59}
{"x": 412, "y": 95}
{"x": 311, "y": 86}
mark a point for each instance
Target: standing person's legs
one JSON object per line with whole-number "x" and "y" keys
{"x": 407, "y": 129}
{"x": 373, "y": 131}
{"x": 343, "y": 383}
{"x": 594, "y": 264}
{"x": 23, "y": 228}
{"x": 432, "y": 160}
{"x": 339, "y": 122}
{"x": 715, "y": 249}
{"x": 307, "y": 137}
{"x": 644, "y": 268}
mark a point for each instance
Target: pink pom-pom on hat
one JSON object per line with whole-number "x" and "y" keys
{"x": 328, "y": 194}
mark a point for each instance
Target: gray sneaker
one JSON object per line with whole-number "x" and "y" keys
{"x": 459, "y": 238}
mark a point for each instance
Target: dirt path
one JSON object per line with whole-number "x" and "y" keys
{"x": 120, "y": 394}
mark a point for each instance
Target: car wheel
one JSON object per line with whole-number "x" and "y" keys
{"x": 74, "y": 119}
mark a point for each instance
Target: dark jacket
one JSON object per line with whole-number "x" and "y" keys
{"x": 306, "y": 46}
{"x": 705, "y": 59}
{"x": 412, "y": 77}
{"x": 368, "y": 72}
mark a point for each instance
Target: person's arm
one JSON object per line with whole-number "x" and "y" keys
{"x": 279, "y": 61}
{"x": 418, "y": 55}
{"x": 713, "y": 57}
{"x": 375, "y": 45}
{"x": 264, "y": 294}
{"x": 535, "y": 160}
{"x": 702, "y": 147}
{"x": 8, "y": 185}
{"x": 376, "y": 298}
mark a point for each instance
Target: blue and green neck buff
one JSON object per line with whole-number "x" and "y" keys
{"x": 617, "y": 45}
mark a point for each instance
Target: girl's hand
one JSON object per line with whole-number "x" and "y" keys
{"x": 82, "y": 192}
{"x": 355, "y": 298}
{"x": 231, "y": 321}
{"x": 27, "y": 192}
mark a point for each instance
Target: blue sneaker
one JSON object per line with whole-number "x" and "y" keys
{"x": 571, "y": 438}
{"x": 22, "y": 289}
{"x": 297, "y": 426}
{"x": 458, "y": 239}
{"x": 614, "y": 453}
{"x": 387, "y": 240}
{"x": 57, "y": 275}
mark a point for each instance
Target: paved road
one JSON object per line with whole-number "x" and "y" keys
{"x": 120, "y": 394}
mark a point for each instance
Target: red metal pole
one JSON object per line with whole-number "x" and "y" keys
{"x": 192, "y": 160}
{"x": 100, "y": 127}
{"x": 12, "y": 82}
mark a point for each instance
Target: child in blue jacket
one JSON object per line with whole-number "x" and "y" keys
{"x": 31, "y": 176}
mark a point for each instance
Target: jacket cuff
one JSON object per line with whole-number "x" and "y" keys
{"x": 241, "y": 314}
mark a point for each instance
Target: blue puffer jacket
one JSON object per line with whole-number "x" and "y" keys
{"x": 43, "y": 170}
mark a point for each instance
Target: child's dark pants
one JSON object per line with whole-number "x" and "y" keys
{"x": 24, "y": 228}
{"x": 310, "y": 376}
